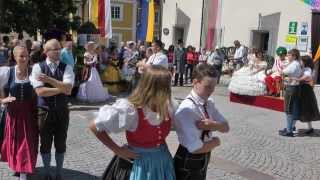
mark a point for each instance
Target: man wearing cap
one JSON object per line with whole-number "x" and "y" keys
{"x": 273, "y": 77}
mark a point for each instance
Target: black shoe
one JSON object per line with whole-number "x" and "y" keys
{"x": 310, "y": 131}
{"x": 16, "y": 174}
{"x": 282, "y": 131}
{"x": 287, "y": 134}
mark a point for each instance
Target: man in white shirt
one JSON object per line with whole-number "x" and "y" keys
{"x": 158, "y": 58}
{"x": 52, "y": 81}
{"x": 240, "y": 55}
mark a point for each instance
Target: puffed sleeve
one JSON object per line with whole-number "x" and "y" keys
{"x": 4, "y": 76}
{"x": 121, "y": 116}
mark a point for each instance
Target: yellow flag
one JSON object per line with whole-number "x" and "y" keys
{"x": 317, "y": 56}
{"x": 150, "y": 30}
{"x": 94, "y": 12}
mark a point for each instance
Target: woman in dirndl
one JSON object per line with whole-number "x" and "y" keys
{"x": 20, "y": 144}
{"x": 146, "y": 118}
{"x": 309, "y": 110}
{"x": 91, "y": 89}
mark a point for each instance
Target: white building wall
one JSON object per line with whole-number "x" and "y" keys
{"x": 193, "y": 10}
{"x": 238, "y": 18}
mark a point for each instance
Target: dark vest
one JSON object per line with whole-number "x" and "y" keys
{"x": 57, "y": 101}
{"x": 21, "y": 91}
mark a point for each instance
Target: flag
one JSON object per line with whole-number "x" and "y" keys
{"x": 94, "y": 12}
{"x": 315, "y": 4}
{"x": 100, "y": 16}
{"x": 151, "y": 15}
{"x": 317, "y": 55}
{"x": 145, "y": 28}
{"x": 212, "y": 20}
{"x": 108, "y": 24}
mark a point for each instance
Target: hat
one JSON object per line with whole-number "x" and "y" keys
{"x": 89, "y": 44}
{"x": 281, "y": 51}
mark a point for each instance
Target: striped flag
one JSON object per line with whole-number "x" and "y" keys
{"x": 100, "y": 16}
{"x": 145, "y": 28}
{"x": 317, "y": 55}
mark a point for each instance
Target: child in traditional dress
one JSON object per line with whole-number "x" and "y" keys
{"x": 308, "y": 104}
{"x": 146, "y": 118}
{"x": 291, "y": 96}
{"x": 195, "y": 118}
{"x": 273, "y": 77}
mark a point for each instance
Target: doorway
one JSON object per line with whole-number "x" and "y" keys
{"x": 260, "y": 39}
{"x": 178, "y": 34}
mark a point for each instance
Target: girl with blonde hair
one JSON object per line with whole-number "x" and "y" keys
{"x": 146, "y": 118}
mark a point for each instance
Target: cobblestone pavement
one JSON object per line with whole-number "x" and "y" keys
{"x": 252, "y": 149}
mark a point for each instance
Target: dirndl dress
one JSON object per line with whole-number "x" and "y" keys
{"x": 309, "y": 110}
{"x": 153, "y": 163}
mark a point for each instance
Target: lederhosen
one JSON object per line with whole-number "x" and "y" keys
{"x": 53, "y": 114}
{"x": 190, "y": 166}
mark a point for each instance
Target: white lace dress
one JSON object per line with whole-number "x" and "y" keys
{"x": 92, "y": 90}
{"x": 247, "y": 81}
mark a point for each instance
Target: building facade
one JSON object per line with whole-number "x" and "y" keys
{"x": 182, "y": 20}
{"x": 124, "y": 19}
{"x": 266, "y": 24}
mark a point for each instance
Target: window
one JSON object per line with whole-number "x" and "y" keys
{"x": 117, "y": 12}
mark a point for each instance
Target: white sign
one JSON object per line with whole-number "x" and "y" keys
{"x": 302, "y": 43}
{"x": 303, "y": 29}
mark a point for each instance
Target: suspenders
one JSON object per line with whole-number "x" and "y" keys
{"x": 205, "y": 132}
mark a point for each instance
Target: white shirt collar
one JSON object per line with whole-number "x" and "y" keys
{"x": 50, "y": 62}
{"x": 197, "y": 98}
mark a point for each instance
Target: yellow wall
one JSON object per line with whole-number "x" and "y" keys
{"x": 127, "y": 16}
{"x": 126, "y": 34}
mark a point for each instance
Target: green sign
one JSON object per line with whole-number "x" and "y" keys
{"x": 293, "y": 25}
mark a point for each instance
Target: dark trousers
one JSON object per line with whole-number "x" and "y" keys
{"x": 190, "y": 166}
{"x": 178, "y": 76}
{"x": 189, "y": 71}
{"x": 219, "y": 68}
{"x": 53, "y": 126}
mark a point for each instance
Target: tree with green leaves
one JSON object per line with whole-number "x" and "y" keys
{"x": 33, "y": 15}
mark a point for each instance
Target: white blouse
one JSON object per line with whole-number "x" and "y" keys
{"x": 122, "y": 115}
{"x": 4, "y": 76}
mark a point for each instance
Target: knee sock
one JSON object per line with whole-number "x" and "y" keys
{"x": 23, "y": 176}
{"x": 59, "y": 161}
{"x": 309, "y": 125}
{"x": 46, "y": 159}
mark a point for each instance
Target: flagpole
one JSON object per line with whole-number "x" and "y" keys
{"x": 201, "y": 30}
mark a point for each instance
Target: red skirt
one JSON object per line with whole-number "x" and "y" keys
{"x": 20, "y": 144}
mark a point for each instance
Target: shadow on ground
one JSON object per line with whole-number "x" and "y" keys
{"x": 68, "y": 174}
{"x": 301, "y": 133}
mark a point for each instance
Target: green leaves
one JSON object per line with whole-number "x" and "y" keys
{"x": 29, "y": 16}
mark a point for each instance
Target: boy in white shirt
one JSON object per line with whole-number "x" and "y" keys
{"x": 195, "y": 118}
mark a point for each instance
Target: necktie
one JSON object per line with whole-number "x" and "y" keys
{"x": 206, "y": 115}
{"x": 53, "y": 67}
